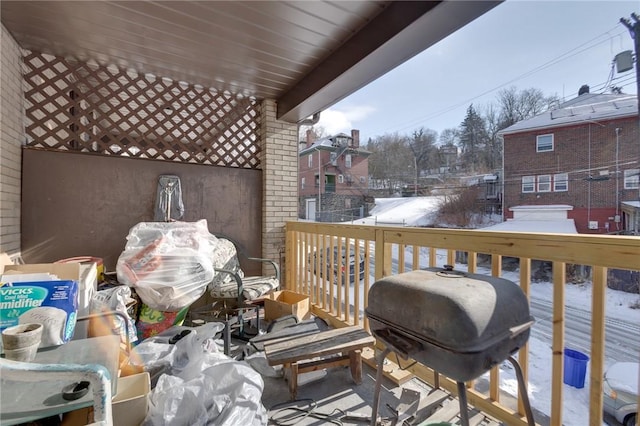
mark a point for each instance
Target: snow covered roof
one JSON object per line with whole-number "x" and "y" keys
{"x": 635, "y": 204}
{"x": 542, "y": 207}
{"x": 555, "y": 226}
{"x": 551, "y": 218}
{"x": 587, "y": 107}
{"x": 332, "y": 143}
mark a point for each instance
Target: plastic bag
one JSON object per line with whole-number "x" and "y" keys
{"x": 109, "y": 300}
{"x": 152, "y": 322}
{"x": 196, "y": 384}
{"x": 158, "y": 355}
{"x": 225, "y": 394}
{"x": 169, "y": 264}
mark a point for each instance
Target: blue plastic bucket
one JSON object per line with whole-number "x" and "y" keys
{"x": 575, "y": 368}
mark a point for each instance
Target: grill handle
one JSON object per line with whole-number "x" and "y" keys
{"x": 518, "y": 329}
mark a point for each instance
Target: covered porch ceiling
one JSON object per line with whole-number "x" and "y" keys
{"x": 307, "y": 55}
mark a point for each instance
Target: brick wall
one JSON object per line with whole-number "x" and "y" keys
{"x": 279, "y": 181}
{"x": 580, "y": 151}
{"x": 12, "y": 136}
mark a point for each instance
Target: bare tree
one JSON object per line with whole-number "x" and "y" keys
{"x": 493, "y": 151}
{"x": 519, "y": 105}
{"x": 390, "y": 156}
{"x": 318, "y": 132}
{"x": 423, "y": 147}
{"x": 449, "y": 137}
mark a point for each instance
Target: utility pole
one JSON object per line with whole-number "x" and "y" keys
{"x": 415, "y": 182}
{"x": 634, "y": 30}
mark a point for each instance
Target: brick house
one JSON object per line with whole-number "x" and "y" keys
{"x": 333, "y": 177}
{"x": 583, "y": 154}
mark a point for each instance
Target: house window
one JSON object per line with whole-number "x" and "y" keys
{"x": 528, "y": 184}
{"x": 544, "y": 143}
{"x": 347, "y": 161}
{"x": 362, "y": 179}
{"x": 334, "y": 158}
{"x": 302, "y": 183}
{"x": 544, "y": 183}
{"x": 340, "y": 179}
{"x": 561, "y": 182}
{"x": 632, "y": 179}
{"x": 310, "y": 160}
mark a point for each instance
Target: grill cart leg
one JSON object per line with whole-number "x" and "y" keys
{"x": 376, "y": 396}
{"x": 523, "y": 391}
{"x": 462, "y": 398}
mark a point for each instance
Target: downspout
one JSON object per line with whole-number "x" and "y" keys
{"x": 617, "y": 218}
{"x": 310, "y": 122}
{"x": 589, "y": 181}
{"x": 502, "y": 183}
{"x": 319, "y": 185}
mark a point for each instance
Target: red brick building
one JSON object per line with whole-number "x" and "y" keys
{"x": 333, "y": 175}
{"x": 585, "y": 154}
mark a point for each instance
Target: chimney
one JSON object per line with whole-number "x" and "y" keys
{"x": 355, "y": 135}
{"x": 583, "y": 89}
{"x": 310, "y": 137}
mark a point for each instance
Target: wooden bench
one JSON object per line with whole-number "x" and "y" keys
{"x": 347, "y": 341}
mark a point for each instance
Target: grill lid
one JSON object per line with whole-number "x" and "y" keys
{"x": 453, "y": 310}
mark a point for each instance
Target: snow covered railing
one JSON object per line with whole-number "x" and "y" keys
{"x": 341, "y": 297}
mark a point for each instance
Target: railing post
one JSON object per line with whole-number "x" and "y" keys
{"x": 597, "y": 344}
{"x": 381, "y": 268}
{"x": 523, "y": 353}
{"x": 289, "y": 256}
{"x": 557, "y": 346}
{"x": 494, "y": 374}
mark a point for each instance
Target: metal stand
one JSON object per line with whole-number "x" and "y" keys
{"x": 462, "y": 390}
{"x": 376, "y": 396}
{"x": 462, "y": 399}
{"x": 462, "y": 396}
{"x": 523, "y": 391}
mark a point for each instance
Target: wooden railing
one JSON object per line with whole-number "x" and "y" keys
{"x": 391, "y": 250}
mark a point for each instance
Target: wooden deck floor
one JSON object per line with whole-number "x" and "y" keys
{"x": 330, "y": 396}
{"x": 335, "y": 399}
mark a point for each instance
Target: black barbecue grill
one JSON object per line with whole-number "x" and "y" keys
{"x": 458, "y": 324}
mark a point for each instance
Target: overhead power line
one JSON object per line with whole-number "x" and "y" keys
{"x": 566, "y": 55}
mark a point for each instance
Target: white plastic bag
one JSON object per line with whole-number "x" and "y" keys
{"x": 168, "y": 263}
{"x": 197, "y": 385}
{"x": 227, "y": 393}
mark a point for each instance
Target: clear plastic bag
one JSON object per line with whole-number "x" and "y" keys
{"x": 116, "y": 299}
{"x": 168, "y": 263}
{"x": 195, "y": 384}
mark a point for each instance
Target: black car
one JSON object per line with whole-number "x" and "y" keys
{"x": 339, "y": 264}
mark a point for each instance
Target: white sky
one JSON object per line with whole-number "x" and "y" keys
{"x": 554, "y": 46}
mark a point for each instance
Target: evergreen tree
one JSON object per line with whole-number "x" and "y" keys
{"x": 473, "y": 140}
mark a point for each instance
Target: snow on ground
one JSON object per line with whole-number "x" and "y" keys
{"x": 411, "y": 211}
{"x": 418, "y": 211}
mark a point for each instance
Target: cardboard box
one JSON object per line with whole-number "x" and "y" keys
{"x": 129, "y": 406}
{"x": 35, "y": 298}
{"x": 85, "y": 275}
{"x": 285, "y": 302}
